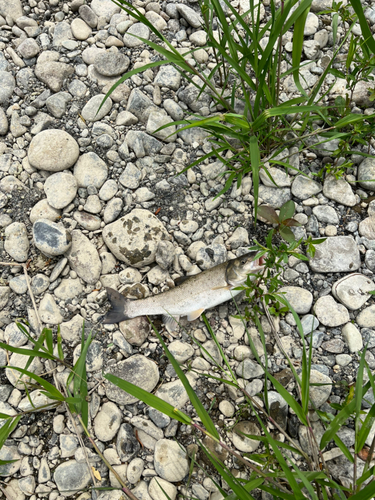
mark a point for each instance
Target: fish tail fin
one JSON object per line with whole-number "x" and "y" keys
{"x": 119, "y": 304}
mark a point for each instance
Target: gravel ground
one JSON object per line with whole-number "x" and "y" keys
{"x": 91, "y": 200}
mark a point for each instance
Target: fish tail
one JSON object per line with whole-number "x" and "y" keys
{"x": 119, "y": 305}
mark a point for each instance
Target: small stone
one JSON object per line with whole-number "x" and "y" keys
{"x": 189, "y": 15}
{"x": 28, "y": 48}
{"x": 134, "y": 470}
{"x": 138, "y": 29}
{"x": 43, "y": 210}
{"x": 366, "y": 173}
{"x": 242, "y": 442}
{"x": 51, "y": 238}
{"x": 111, "y": 63}
{"x": 366, "y": 318}
{"x": 299, "y": 298}
{"x": 304, "y": 188}
{"x": 339, "y": 190}
{"x": 353, "y": 290}
{"x": 367, "y": 228}
{"x": 84, "y": 258}
{"x": 352, "y": 337}
{"x": 8, "y": 84}
{"x": 319, "y": 393}
{"x": 226, "y": 408}
{"x": 91, "y": 111}
{"x": 49, "y": 311}
{"x": 80, "y": 30}
{"x": 107, "y": 422}
{"x": 90, "y": 170}
{"x": 159, "y": 488}
{"x": 329, "y": 312}
{"x": 249, "y": 369}
{"x": 127, "y": 444}
{"x": 326, "y": 214}
{"x": 16, "y": 241}
{"x": 168, "y": 76}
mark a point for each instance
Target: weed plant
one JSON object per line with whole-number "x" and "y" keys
{"x": 252, "y": 125}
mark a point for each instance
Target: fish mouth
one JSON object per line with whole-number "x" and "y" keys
{"x": 261, "y": 261}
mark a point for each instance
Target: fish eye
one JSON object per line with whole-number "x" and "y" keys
{"x": 243, "y": 261}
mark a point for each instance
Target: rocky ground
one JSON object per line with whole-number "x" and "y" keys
{"x": 91, "y": 200}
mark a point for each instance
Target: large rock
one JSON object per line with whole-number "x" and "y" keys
{"x": 337, "y": 254}
{"x": 299, "y": 298}
{"x": 138, "y": 370}
{"x": 135, "y": 237}
{"x": 71, "y": 477}
{"x": 84, "y": 258}
{"x": 53, "y": 150}
{"x": 12, "y": 9}
{"x": 353, "y": 290}
{"x": 53, "y": 74}
{"x": 170, "y": 461}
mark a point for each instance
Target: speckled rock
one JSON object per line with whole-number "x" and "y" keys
{"x": 134, "y": 238}
{"x": 170, "y": 461}
{"x": 84, "y": 258}
{"x": 51, "y": 238}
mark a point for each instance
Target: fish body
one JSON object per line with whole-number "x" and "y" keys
{"x": 196, "y": 293}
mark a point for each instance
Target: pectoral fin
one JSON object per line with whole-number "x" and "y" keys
{"x": 195, "y": 314}
{"x": 224, "y": 287}
{"x": 170, "y": 322}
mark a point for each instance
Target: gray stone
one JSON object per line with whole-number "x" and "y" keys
{"x": 69, "y": 445}
{"x": 168, "y": 76}
{"x": 211, "y": 255}
{"x": 309, "y": 323}
{"x": 299, "y": 298}
{"x": 83, "y": 258}
{"x": 8, "y": 84}
{"x": 127, "y": 444}
{"x": 138, "y": 370}
{"x": 329, "y": 312}
{"x": 211, "y": 352}
{"x": 104, "y": 8}
{"x": 68, "y": 289}
{"x": 131, "y": 176}
{"x": 39, "y": 283}
{"x": 320, "y": 393}
{"x": 135, "y": 469}
{"x": 156, "y": 120}
{"x": 107, "y": 422}
{"x": 16, "y": 241}
{"x": 138, "y": 103}
{"x": 49, "y": 311}
{"x": 165, "y": 254}
{"x": 249, "y": 369}
{"x": 51, "y": 238}
{"x": 326, "y": 214}
{"x": 56, "y": 104}
{"x": 352, "y": 337}
{"x": 28, "y": 48}
{"x": 336, "y": 255}
{"x": 111, "y": 63}
{"x": 61, "y": 189}
{"x": 366, "y": 318}
{"x": 366, "y": 174}
{"x": 53, "y": 73}
{"x": 304, "y": 187}
{"x": 88, "y": 15}
{"x": 181, "y": 351}
{"x": 175, "y": 393}
{"x": 135, "y": 330}
{"x": 112, "y": 210}
{"x": 339, "y": 190}
{"x": 141, "y": 143}
{"x": 71, "y": 477}
{"x": 9, "y": 453}
{"x": 139, "y": 30}
{"x": 80, "y": 30}
{"x": 61, "y": 33}
{"x": 278, "y": 408}
{"x": 170, "y": 461}
{"x": 3, "y": 122}
{"x": 77, "y": 88}
{"x": 189, "y": 15}
{"x": 15, "y": 377}
{"x": 189, "y": 95}
{"x": 53, "y": 150}
{"x": 90, "y": 170}
{"x": 367, "y": 228}
{"x": 87, "y": 221}
{"x": 91, "y": 111}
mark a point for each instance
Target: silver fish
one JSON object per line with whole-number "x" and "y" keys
{"x": 192, "y": 297}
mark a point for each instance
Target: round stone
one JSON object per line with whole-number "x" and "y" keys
{"x": 9, "y": 453}
{"x": 15, "y": 377}
{"x": 90, "y": 170}
{"x": 80, "y": 30}
{"x": 71, "y": 477}
{"x": 51, "y": 238}
{"x": 366, "y": 173}
{"x": 353, "y": 290}
{"x": 107, "y": 422}
{"x": 170, "y": 461}
{"x": 299, "y": 298}
{"x": 111, "y": 63}
{"x": 28, "y": 48}
{"x": 138, "y": 29}
{"x": 43, "y": 210}
{"x": 84, "y": 258}
{"x": 53, "y": 150}
{"x": 61, "y": 189}
{"x": 134, "y": 238}
{"x": 138, "y": 370}
{"x": 242, "y": 442}
{"x": 329, "y": 312}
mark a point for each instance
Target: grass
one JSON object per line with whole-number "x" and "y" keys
{"x": 249, "y": 70}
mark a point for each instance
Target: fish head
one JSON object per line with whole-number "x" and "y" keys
{"x": 238, "y": 269}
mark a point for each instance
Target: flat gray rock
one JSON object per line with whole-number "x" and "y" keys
{"x": 8, "y": 84}
{"x": 275, "y": 197}
{"x": 189, "y": 15}
{"x": 352, "y": 290}
{"x": 53, "y": 74}
{"x": 138, "y": 370}
{"x": 49, "y": 311}
{"x": 138, "y": 29}
{"x": 336, "y": 254}
{"x": 71, "y": 477}
{"x": 83, "y": 258}
{"x": 53, "y": 150}
{"x": 61, "y": 189}
{"x": 134, "y": 238}
{"x": 111, "y": 63}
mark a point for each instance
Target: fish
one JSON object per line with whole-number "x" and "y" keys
{"x": 191, "y": 297}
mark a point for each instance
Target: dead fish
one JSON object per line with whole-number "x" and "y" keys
{"x": 192, "y": 297}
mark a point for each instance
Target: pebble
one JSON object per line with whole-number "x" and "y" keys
{"x": 366, "y": 172}
{"x": 91, "y": 111}
{"x": 16, "y": 241}
{"x": 51, "y": 238}
{"x": 339, "y": 190}
{"x": 329, "y": 312}
{"x": 90, "y": 170}
{"x": 71, "y": 476}
{"x": 8, "y": 84}
{"x": 242, "y": 442}
{"x": 299, "y": 298}
{"x": 83, "y": 258}
{"x": 304, "y": 188}
{"x": 353, "y": 337}
{"x": 107, "y": 422}
{"x": 352, "y": 290}
{"x": 319, "y": 394}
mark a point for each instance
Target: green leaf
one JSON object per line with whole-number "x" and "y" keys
{"x": 255, "y": 166}
{"x": 337, "y": 423}
{"x": 268, "y": 213}
{"x": 287, "y": 210}
{"x": 289, "y": 399}
{"x": 149, "y": 399}
{"x": 287, "y": 234}
{"x": 26, "y": 352}
{"x": 199, "y": 408}
{"x": 366, "y": 32}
